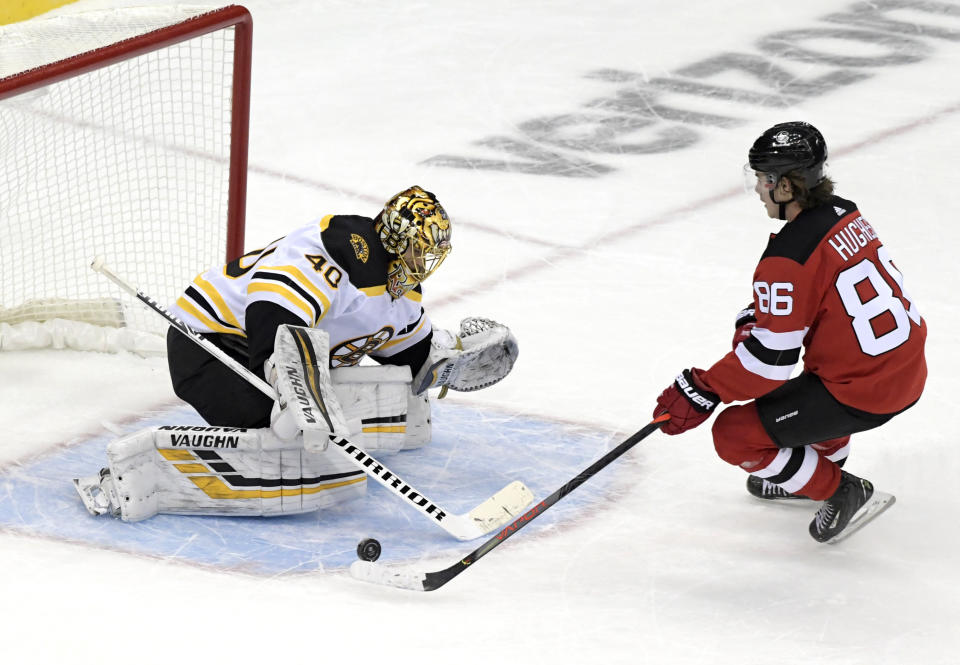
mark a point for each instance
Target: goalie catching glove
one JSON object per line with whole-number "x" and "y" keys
{"x": 481, "y": 355}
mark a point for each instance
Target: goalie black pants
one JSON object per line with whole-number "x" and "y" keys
{"x": 219, "y": 395}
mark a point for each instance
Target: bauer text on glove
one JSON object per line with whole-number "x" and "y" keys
{"x": 745, "y": 322}
{"x": 687, "y": 401}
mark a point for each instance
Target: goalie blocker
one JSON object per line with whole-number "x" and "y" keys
{"x": 373, "y": 406}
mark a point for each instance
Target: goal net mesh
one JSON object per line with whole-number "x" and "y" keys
{"x": 129, "y": 161}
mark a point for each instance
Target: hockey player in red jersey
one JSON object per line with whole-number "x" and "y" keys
{"x": 827, "y": 285}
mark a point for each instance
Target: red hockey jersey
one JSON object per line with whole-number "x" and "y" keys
{"x": 827, "y": 285}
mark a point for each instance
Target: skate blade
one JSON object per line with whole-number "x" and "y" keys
{"x": 878, "y": 503}
{"x": 85, "y": 487}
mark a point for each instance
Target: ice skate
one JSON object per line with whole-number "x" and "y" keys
{"x": 98, "y": 493}
{"x": 765, "y": 490}
{"x": 852, "y": 506}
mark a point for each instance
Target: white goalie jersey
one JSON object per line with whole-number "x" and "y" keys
{"x": 330, "y": 274}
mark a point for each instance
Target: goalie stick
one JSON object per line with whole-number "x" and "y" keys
{"x": 490, "y": 514}
{"x": 368, "y": 571}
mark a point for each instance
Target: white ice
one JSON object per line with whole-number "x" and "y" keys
{"x": 612, "y": 285}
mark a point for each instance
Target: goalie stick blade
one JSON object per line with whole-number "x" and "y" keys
{"x": 490, "y": 514}
{"x": 493, "y": 513}
{"x": 502, "y": 507}
{"x": 878, "y": 503}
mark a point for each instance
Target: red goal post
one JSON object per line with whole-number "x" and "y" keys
{"x": 123, "y": 134}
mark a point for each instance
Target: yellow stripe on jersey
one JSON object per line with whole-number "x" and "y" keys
{"x": 215, "y": 326}
{"x": 217, "y": 301}
{"x": 374, "y": 291}
{"x": 285, "y": 293}
{"x": 380, "y": 348}
{"x": 302, "y": 279}
{"x": 325, "y": 222}
{"x": 389, "y": 429}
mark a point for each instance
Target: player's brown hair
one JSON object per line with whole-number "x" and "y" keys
{"x": 809, "y": 198}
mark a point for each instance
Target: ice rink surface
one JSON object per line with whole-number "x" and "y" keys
{"x": 590, "y": 156}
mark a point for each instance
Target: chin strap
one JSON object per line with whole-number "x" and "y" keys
{"x": 782, "y": 204}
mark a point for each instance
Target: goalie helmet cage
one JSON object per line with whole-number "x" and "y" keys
{"x": 123, "y": 134}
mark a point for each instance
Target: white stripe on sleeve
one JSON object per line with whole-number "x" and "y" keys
{"x": 752, "y": 364}
{"x": 784, "y": 341}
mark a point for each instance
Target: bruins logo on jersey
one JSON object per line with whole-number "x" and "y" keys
{"x": 351, "y": 352}
{"x": 360, "y": 247}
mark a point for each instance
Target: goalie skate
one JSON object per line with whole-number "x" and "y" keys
{"x": 98, "y": 494}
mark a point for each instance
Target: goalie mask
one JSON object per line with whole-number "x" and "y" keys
{"x": 415, "y": 228}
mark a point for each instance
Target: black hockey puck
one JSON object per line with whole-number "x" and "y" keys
{"x": 368, "y": 549}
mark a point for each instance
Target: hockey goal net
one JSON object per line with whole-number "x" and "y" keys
{"x": 123, "y": 135}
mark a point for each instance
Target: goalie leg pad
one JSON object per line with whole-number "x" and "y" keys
{"x": 224, "y": 471}
{"x": 380, "y": 410}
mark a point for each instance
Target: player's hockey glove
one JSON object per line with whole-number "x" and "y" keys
{"x": 745, "y": 322}
{"x": 688, "y": 403}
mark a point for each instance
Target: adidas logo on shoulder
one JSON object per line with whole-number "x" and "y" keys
{"x": 840, "y": 211}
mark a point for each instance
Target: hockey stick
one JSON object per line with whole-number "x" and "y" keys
{"x": 489, "y": 515}
{"x": 368, "y": 571}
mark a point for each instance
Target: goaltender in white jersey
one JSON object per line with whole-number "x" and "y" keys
{"x": 330, "y": 274}
{"x": 355, "y": 278}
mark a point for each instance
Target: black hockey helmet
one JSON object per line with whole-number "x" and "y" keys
{"x": 791, "y": 146}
